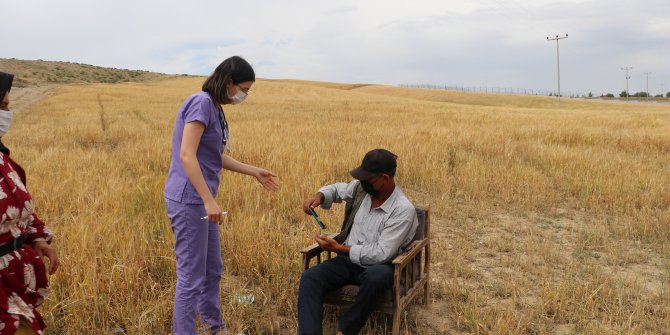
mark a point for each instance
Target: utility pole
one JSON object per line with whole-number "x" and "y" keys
{"x": 627, "y": 77}
{"x": 662, "y": 93}
{"x": 558, "y": 65}
{"x": 647, "y": 73}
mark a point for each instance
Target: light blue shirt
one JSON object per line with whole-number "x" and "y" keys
{"x": 377, "y": 234}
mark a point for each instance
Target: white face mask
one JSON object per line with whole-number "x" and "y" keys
{"x": 238, "y": 97}
{"x": 5, "y": 121}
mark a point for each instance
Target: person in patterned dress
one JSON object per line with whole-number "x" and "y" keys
{"x": 23, "y": 240}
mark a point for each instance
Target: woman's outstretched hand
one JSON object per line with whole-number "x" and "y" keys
{"x": 267, "y": 179}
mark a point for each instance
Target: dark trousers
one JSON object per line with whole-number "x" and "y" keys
{"x": 315, "y": 282}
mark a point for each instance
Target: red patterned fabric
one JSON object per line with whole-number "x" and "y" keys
{"x": 23, "y": 277}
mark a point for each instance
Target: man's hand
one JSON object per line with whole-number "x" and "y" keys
{"x": 329, "y": 244}
{"x": 325, "y": 242}
{"x": 312, "y": 202}
{"x": 43, "y": 249}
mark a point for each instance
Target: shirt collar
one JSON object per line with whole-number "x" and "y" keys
{"x": 387, "y": 206}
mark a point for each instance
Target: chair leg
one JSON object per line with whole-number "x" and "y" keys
{"x": 396, "y": 321}
{"x": 426, "y": 293}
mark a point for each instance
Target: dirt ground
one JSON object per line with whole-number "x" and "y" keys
{"x": 24, "y": 97}
{"x": 505, "y": 259}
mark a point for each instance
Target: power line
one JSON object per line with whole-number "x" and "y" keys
{"x": 558, "y": 65}
{"x": 627, "y": 77}
{"x": 530, "y": 19}
{"x": 647, "y": 74}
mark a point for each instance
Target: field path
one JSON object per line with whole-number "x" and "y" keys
{"x": 24, "y": 97}
{"x": 103, "y": 123}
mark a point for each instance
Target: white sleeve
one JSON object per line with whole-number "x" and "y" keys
{"x": 337, "y": 193}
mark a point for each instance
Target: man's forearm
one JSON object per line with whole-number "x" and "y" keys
{"x": 335, "y": 193}
{"x": 341, "y": 249}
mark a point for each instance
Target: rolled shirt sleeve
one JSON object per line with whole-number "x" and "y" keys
{"x": 398, "y": 230}
{"x": 338, "y": 192}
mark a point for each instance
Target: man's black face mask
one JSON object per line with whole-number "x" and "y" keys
{"x": 369, "y": 188}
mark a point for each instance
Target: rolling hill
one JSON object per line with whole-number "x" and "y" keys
{"x": 40, "y": 72}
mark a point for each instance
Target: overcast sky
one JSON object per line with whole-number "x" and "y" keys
{"x": 492, "y": 43}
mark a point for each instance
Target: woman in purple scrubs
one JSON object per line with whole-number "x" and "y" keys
{"x": 198, "y": 143}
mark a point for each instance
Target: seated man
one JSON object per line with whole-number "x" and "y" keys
{"x": 385, "y": 223}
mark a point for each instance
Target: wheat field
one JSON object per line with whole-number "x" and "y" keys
{"x": 545, "y": 221}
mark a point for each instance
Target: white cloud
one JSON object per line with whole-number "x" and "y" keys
{"x": 477, "y": 43}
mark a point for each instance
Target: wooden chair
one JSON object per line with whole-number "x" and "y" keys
{"x": 411, "y": 274}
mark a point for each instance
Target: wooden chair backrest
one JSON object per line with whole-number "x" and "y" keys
{"x": 424, "y": 224}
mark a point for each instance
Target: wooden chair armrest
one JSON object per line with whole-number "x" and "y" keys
{"x": 409, "y": 253}
{"x": 311, "y": 251}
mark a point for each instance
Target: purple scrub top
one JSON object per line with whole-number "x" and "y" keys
{"x": 197, "y": 108}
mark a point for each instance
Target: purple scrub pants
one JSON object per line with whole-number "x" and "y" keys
{"x": 198, "y": 252}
